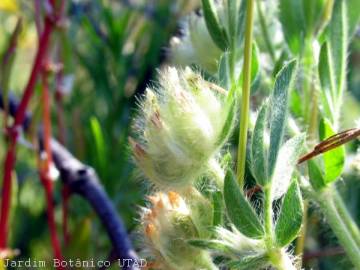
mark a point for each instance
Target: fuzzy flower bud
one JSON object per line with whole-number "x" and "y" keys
{"x": 190, "y": 48}
{"x": 167, "y": 227}
{"x": 182, "y": 126}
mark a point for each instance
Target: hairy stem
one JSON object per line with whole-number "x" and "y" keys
{"x": 277, "y": 256}
{"x": 336, "y": 223}
{"x": 300, "y": 241}
{"x": 245, "y": 98}
{"x": 268, "y": 218}
{"x": 346, "y": 217}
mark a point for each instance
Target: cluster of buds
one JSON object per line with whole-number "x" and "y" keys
{"x": 168, "y": 225}
{"x": 180, "y": 128}
{"x": 189, "y": 49}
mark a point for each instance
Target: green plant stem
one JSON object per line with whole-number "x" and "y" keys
{"x": 311, "y": 93}
{"x": 268, "y": 222}
{"x": 346, "y": 217}
{"x": 300, "y": 241}
{"x": 245, "y": 98}
{"x": 336, "y": 223}
{"x": 265, "y": 32}
{"x": 280, "y": 260}
{"x": 277, "y": 256}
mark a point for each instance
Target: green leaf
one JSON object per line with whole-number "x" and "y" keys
{"x": 334, "y": 159}
{"x": 255, "y": 66}
{"x": 241, "y": 22}
{"x": 249, "y": 262}
{"x": 338, "y": 39}
{"x": 100, "y": 145}
{"x": 232, "y": 8}
{"x": 229, "y": 122}
{"x": 313, "y": 12}
{"x": 217, "y": 200}
{"x": 224, "y": 72}
{"x": 290, "y": 219}
{"x": 315, "y": 175}
{"x": 239, "y": 209}
{"x": 353, "y": 13}
{"x": 216, "y": 31}
{"x": 259, "y": 149}
{"x": 296, "y": 106}
{"x": 291, "y": 15}
{"x": 279, "y": 108}
{"x": 327, "y": 81}
{"x": 285, "y": 165}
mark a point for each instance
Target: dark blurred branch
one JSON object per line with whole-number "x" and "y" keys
{"x": 83, "y": 181}
{"x": 329, "y": 252}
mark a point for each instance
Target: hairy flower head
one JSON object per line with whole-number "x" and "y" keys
{"x": 182, "y": 125}
{"x": 167, "y": 226}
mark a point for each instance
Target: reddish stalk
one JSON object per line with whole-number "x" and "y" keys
{"x": 45, "y": 169}
{"x": 13, "y": 132}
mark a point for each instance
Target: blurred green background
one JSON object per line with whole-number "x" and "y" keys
{"x": 111, "y": 50}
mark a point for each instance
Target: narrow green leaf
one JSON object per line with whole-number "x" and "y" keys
{"x": 241, "y": 22}
{"x": 255, "y": 66}
{"x": 259, "y": 149}
{"x": 313, "y": 12}
{"x": 218, "y": 208}
{"x": 334, "y": 159}
{"x": 291, "y": 15}
{"x": 100, "y": 145}
{"x": 224, "y": 72}
{"x": 255, "y": 63}
{"x": 289, "y": 222}
{"x": 285, "y": 165}
{"x": 216, "y": 31}
{"x": 327, "y": 81}
{"x": 338, "y": 38}
{"x": 239, "y": 209}
{"x": 279, "y": 108}
{"x": 229, "y": 122}
{"x": 315, "y": 175}
{"x": 232, "y": 11}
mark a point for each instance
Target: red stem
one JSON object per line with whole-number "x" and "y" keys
{"x": 6, "y": 194}
{"x": 48, "y": 186}
{"x": 13, "y": 131}
{"x": 45, "y": 170}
